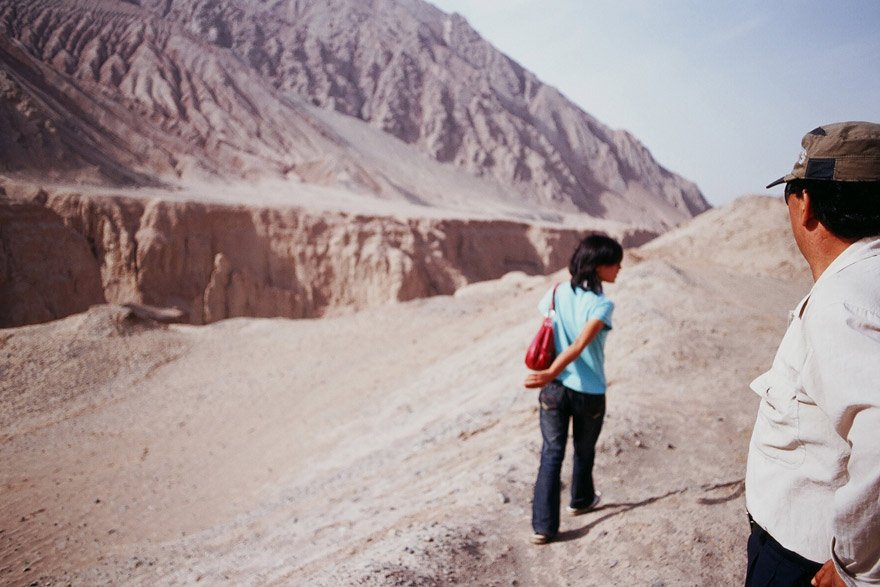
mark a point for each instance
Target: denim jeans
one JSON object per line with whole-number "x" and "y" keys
{"x": 560, "y": 404}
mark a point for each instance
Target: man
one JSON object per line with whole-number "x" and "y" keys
{"x": 813, "y": 474}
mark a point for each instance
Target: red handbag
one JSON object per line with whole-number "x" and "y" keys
{"x": 542, "y": 351}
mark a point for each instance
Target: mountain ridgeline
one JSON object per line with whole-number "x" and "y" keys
{"x": 150, "y": 91}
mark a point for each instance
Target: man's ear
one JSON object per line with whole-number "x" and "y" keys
{"x": 805, "y": 210}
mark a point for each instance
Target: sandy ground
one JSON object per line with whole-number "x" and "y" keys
{"x": 394, "y": 446}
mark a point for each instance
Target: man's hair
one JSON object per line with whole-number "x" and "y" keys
{"x": 849, "y": 209}
{"x": 594, "y": 250}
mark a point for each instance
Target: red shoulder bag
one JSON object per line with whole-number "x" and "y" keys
{"x": 542, "y": 351}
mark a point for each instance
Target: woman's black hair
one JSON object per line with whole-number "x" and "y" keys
{"x": 594, "y": 250}
{"x": 851, "y": 210}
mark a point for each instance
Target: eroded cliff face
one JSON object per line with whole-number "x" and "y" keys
{"x": 61, "y": 252}
{"x": 46, "y": 268}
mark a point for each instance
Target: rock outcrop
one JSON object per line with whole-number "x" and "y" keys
{"x": 61, "y": 252}
{"x": 46, "y": 268}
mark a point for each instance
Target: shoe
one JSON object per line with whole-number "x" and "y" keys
{"x": 589, "y": 508}
{"x": 539, "y": 538}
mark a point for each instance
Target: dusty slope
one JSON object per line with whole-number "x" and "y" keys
{"x": 744, "y": 236}
{"x": 393, "y": 446}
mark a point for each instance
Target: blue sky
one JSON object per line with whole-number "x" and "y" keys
{"x": 719, "y": 91}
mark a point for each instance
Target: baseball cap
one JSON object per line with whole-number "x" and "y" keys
{"x": 843, "y": 151}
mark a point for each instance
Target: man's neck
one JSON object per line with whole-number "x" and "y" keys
{"x": 826, "y": 249}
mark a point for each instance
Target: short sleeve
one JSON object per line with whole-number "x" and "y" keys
{"x": 603, "y": 311}
{"x": 544, "y": 304}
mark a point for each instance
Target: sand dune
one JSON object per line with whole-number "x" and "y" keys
{"x": 395, "y": 445}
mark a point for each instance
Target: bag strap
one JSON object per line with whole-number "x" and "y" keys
{"x": 553, "y": 299}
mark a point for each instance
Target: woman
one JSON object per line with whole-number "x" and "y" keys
{"x": 573, "y": 387}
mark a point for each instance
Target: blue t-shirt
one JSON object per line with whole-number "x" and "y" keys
{"x": 573, "y": 310}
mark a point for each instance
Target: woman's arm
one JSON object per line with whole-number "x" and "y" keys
{"x": 542, "y": 378}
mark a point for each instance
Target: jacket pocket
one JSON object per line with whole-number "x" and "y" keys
{"x": 777, "y": 429}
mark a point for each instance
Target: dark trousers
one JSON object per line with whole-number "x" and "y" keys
{"x": 560, "y": 404}
{"x": 773, "y": 565}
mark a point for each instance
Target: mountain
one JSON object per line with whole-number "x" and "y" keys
{"x": 290, "y": 158}
{"x": 343, "y": 93}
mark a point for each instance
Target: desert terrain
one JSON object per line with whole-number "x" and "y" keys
{"x": 267, "y": 274}
{"x": 394, "y": 445}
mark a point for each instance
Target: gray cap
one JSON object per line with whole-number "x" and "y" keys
{"x": 844, "y": 151}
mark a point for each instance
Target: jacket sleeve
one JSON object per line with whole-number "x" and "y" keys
{"x": 843, "y": 369}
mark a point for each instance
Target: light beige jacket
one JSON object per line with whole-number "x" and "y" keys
{"x": 813, "y": 475}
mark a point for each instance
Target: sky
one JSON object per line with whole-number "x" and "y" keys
{"x": 720, "y": 91}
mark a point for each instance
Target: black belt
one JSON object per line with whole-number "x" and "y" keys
{"x": 757, "y": 529}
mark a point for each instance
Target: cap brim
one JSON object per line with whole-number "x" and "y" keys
{"x": 777, "y": 182}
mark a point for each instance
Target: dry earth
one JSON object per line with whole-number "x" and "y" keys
{"x": 396, "y": 445}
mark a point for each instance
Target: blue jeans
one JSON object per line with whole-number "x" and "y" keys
{"x": 560, "y": 404}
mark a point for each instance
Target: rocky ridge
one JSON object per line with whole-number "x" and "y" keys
{"x": 111, "y": 92}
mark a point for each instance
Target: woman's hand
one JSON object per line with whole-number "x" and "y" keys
{"x": 539, "y": 378}
{"x": 542, "y": 378}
